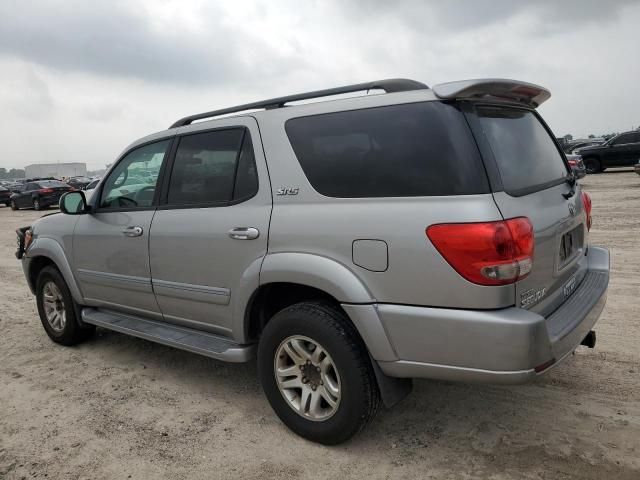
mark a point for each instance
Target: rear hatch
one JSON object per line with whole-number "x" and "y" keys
{"x": 529, "y": 176}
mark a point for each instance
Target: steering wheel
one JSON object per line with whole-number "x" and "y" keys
{"x": 125, "y": 202}
{"x": 118, "y": 183}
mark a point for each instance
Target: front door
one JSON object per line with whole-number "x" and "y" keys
{"x": 111, "y": 244}
{"x": 209, "y": 234}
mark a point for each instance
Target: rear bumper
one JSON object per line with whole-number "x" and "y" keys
{"x": 495, "y": 346}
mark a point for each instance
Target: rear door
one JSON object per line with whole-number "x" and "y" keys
{"x": 26, "y": 195}
{"x": 629, "y": 153}
{"x": 530, "y": 172}
{"x": 210, "y": 232}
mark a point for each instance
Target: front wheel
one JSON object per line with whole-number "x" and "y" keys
{"x": 316, "y": 373}
{"x": 57, "y": 309}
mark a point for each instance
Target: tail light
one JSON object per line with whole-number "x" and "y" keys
{"x": 586, "y": 202}
{"x": 488, "y": 253}
{"x": 45, "y": 190}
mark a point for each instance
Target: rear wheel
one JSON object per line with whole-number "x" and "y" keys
{"x": 57, "y": 310}
{"x": 36, "y": 204}
{"x": 592, "y": 165}
{"x": 316, "y": 373}
{"x": 13, "y": 205}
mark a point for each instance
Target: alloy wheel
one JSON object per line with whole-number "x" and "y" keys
{"x": 54, "y": 306}
{"x": 307, "y": 378}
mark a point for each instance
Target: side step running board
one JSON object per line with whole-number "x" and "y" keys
{"x": 195, "y": 341}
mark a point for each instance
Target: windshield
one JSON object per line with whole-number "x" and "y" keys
{"x": 525, "y": 152}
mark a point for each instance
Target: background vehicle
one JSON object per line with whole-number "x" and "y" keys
{"x": 5, "y": 193}
{"x": 79, "y": 182}
{"x": 622, "y": 150}
{"x": 350, "y": 245}
{"x": 39, "y": 195}
{"x": 574, "y": 145}
{"x": 577, "y": 165}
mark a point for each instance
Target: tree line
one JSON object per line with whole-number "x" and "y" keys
{"x": 11, "y": 174}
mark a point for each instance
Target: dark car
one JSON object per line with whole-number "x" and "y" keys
{"x": 38, "y": 195}
{"x": 79, "y": 182}
{"x": 573, "y": 146}
{"x": 620, "y": 151}
{"x": 5, "y": 194}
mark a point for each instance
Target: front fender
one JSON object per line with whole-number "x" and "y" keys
{"x": 51, "y": 249}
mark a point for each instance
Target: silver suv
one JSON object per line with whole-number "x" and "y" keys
{"x": 350, "y": 244}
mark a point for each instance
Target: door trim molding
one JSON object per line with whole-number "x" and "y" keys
{"x": 115, "y": 280}
{"x": 188, "y": 291}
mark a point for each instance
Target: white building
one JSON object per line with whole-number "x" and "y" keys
{"x": 57, "y": 170}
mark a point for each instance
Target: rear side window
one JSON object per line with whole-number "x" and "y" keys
{"x": 214, "y": 167}
{"x": 525, "y": 152}
{"x": 417, "y": 149}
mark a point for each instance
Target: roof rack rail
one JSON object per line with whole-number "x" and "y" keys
{"x": 389, "y": 86}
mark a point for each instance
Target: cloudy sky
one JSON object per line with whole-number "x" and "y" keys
{"x": 80, "y": 79}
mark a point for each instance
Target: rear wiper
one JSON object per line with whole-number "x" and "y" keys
{"x": 571, "y": 180}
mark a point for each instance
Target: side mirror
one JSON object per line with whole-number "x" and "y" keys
{"x": 74, "y": 203}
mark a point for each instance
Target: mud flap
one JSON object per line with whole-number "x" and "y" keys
{"x": 392, "y": 390}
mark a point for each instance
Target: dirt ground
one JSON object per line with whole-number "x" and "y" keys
{"x": 119, "y": 407}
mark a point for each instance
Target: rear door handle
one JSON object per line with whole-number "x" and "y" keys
{"x": 133, "y": 231}
{"x": 244, "y": 233}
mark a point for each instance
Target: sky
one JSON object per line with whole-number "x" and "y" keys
{"x": 80, "y": 80}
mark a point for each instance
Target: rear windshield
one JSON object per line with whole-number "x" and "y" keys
{"x": 526, "y": 154}
{"x": 418, "y": 149}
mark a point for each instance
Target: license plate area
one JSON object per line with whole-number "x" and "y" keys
{"x": 570, "y": 245}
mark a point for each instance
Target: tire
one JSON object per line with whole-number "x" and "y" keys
{"x": 13, "y": 205}
{"x": 68, "y": 331}
{"x": 7, "y": 204}
{"x": 36, "y": 204}
{"x": 592, "y": 165}
{"x": 330, "y": 329}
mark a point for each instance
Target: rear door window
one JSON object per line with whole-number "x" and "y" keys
{"x": 417, "y": 149}
{"x": 213, "y": 168}
{"x": 526, "y": 154}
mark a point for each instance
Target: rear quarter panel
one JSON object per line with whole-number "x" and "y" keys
{"x": 312, "y": 223}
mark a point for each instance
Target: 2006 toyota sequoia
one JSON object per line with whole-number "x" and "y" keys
{"x": 350, "y": 245}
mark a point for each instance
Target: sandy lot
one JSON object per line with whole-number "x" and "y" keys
{"x": 119, "y": 407}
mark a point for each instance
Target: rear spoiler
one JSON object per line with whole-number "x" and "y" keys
{"x": 514, "y": 90}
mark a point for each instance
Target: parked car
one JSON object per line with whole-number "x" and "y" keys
{"x": 91, "y": 185}
{"x": 350, "y": 245}
{"x": 79, "y": 182}
{"x": 577, "y": 165}
{"x": 622, "y": 150}
{"x": 5, "y": 193}
{"x": 569, "y": 147}
{"x": 38, "y": 195}
{"x": 90, "y": 188}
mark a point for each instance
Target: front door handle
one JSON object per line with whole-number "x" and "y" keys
{"x": 133, "y": 231}
{"x": 244, "y": 233}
